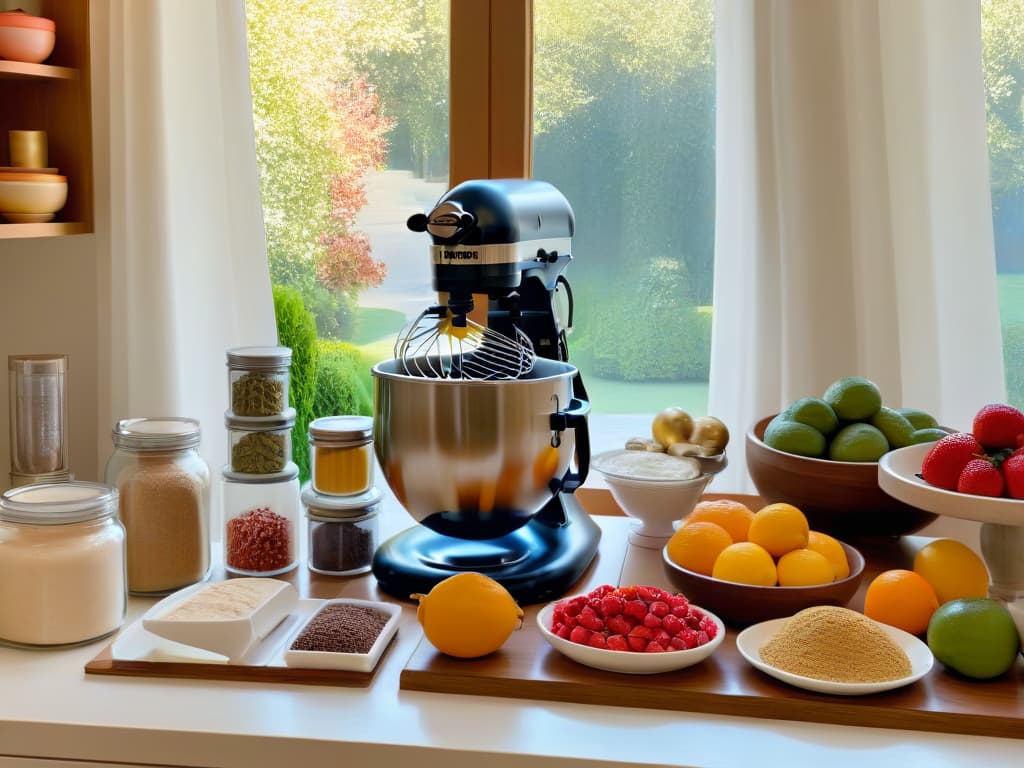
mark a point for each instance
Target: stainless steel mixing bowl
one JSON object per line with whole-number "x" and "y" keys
{"x": 478, "y": 459}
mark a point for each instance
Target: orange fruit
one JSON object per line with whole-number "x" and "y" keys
{"x": 953, "y": 570}
{"x": 745, "y": 563}
{"x": 902, "y": 599}
{"x": 468, "y": 615}
{"x": 832, "y": 550}
{"x": 779, "y": 528}
{"x": 804, "y": 568}
{"x": 696, "y": 546}
{"x": 731, "y": 515}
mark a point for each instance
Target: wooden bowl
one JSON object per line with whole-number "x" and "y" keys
{"x": 744, "y": 604}
{"x": 838, "y": 497}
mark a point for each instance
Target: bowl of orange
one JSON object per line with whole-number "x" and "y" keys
{"x": 749, "y": 566}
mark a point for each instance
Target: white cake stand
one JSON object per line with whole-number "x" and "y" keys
{"x": 1002, "y": 529}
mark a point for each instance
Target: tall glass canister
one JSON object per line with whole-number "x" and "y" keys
{"x": 38, "y": 394}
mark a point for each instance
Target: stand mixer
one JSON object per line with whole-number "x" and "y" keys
{"x": 476, "y": 423}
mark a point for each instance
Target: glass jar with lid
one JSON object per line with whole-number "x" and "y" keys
{"x": 258, "y": 379}
{"x": 260, "y": 445}
{"x": 343, "y": 531}
{"x": 261, "y": 521}
{"x": 164, "y": 487}
{"x": 62, "y": 564}
{"x": 341, "y": 455}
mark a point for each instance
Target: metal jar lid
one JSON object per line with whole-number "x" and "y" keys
{"x": 341, "y": 430}
{"x": 75, "y": 501}
{"x": 272, "y": 423}
{"x": 321, "y": 506}
{"x": 158, "y": 433}
{"x": 259, "y": 358}
{"x": 38, "y": 365}
{"x": 286, "y": 475}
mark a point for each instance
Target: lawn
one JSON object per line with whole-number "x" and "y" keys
{"x": 1011, "y": 297}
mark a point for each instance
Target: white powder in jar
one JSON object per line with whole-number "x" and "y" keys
{"x": 62, "y": 583}
{"x": 646, "y": 465}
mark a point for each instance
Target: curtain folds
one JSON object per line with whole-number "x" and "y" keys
{"x": 854, "y": 225}
{"x": 180, "y": 211}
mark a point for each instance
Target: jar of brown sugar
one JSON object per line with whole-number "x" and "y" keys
{"x": 164, "y": 486}
{"x": 341, "y": 455}
{"x": 343, "y": 531}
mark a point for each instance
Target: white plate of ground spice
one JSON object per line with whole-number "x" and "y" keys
{"x": 835, "y": 650}
{"x": 344, "y": 634}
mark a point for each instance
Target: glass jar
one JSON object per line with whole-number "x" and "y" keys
{"x": 164, "y": 485}
{"x": 38, "y": 394}
{"x": 261, "y": 521}
{"x": 62, "y": 564}
{"x": 260, "y": 445}
{"x": 341, "y": 455}
{"x": 258, "y": 380}
{"x": 343, "y": 531}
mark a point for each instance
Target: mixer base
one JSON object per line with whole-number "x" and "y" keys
{"x": 536, "y": 563}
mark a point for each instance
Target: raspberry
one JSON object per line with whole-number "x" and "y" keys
{"x": 651, "y": 621}
{"x": 702, "y": 638}
{"x": 662, "y": 638}
{"x": 639, "y": 631}
{"x": 678, "y": 601}
{"x": 635, "y": 608}
{"x": 627, "y": 593}
{"x": 616, "y": 643}
{"x": 591, "y": 621}
{"x": 653, "y": 647}
{"x": 580, "y": 635}
{"x": 689, "y": 638}
{"x": 611, "y": 605}
{"x": 571, "y": 621}
{"x": 618, "y": 625}
{"x": 677, "y": 644}
{"x": 563, "y": 631}
{"x": 597, "y": 641}
{"x": 604, "y": 589}
{"x": 574, "y": 606}
{"x": 660, "y": 608}
{"x": 696, "y": 612}
{"x": 693, "y": 622}
{"x": 558, "y": 614}
{"x": 594, "y": 604}
{"x": 648, "y": 594}
{"x": 556, "y": 625}
{"x": 639, "y": 637}
{"x": 681, "y": 611}
{"x": 708, "y": 625}
{"x": 672, "y": 624}
{"x": 587, "y": 611}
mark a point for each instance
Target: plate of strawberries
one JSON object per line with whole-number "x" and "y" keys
{"x": 976, "y": 475}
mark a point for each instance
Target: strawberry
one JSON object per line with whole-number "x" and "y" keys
{"x": 1013, "y": 474}
{"x": 980, "y": 478}
{"x": 998, "y": 425}
{"x": 948, "y": 457}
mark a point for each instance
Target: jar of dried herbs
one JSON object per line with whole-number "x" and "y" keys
{"x": 343, "y": 531}
{"x": 260, "y": 445}
{"x": 164, "y": 487}
{"x": 258, "y": 380}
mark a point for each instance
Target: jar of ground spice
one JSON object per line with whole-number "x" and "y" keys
{"x": 261, "y": 521}
{"x": 260, "y": 445}
{"x": 341, "y": 455}
{"x": 164, "y": 486}
{"x": 62, "y": 564}
{"x": 343, "y": 531}
{"x": 258, "y": 380}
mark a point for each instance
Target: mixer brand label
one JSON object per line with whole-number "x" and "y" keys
{"x": 523, "y": 252}
{"x": 450, "y": 255}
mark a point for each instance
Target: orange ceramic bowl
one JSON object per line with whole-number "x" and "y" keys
{"x": 27, "y": 38}
{"x": 838, "y": 497}
{"x": 744, "y": 604}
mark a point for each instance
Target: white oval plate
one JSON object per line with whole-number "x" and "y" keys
{"x": 897, "y": 476}
{"x": 627, "y": 662}
{"x": 751, "y": 639}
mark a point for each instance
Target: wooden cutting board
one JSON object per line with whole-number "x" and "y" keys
{"x": 527, "y": 667}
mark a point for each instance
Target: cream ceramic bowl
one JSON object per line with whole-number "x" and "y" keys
{"x": 26, "y": 38}
{"x": 32, "y": 193}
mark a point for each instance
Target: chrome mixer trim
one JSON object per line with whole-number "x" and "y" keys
{"x": 500, "y": 253}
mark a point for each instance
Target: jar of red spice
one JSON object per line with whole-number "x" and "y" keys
{"x": 261, "y": 521}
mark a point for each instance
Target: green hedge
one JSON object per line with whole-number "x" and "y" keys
{"x": 297, "y": 329}
{"x": 343, "y": 384}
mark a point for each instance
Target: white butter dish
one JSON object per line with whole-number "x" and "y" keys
{"x": 354, "y": 662}
{"x": 226, "y": 617}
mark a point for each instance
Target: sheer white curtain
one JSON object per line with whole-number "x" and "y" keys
{"x": 854, "y": 228}
{"x": 178, "y": 208}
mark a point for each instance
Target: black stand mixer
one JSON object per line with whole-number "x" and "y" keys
{"x": 476, "y": 424}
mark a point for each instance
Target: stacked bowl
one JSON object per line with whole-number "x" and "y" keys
{"x": 29, "y": 195}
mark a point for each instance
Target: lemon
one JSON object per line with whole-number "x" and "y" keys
{"x": 894, "y": 425}
{"x": 814, "y": 412}
{"x": 953, "y": 570}
{"x": 804, "y": 568}
{"x": 919, "y": 419}
{"x": 794, "y": 437}
{"x": 833, "y": 552}
{"x": 853, "y": 398}
{"x": 779, "y": 528}
{"x": 858, "y": 442}
{"x": 745, "y": 563}
{"x": 974, "y": 636}
{"x": 468, "y": 615}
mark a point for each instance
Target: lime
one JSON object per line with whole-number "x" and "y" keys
{"x": 894, "y": 425}
{"x": 927, "y": 435}
{"x": 919, "y": 419}
{"x": 858, "y": 442}
{"x": 794, "y": 437}
{"x": 853, "y": 398}
{"x": 974, "y": 636}
{"x": 814, "y": 412}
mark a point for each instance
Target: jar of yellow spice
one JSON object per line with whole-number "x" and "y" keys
{"x": 341, "y": 454}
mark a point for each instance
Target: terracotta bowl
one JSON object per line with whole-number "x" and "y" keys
{"x": 27, "y": 38}
{"x": 838, "y": 497}
{"x": 742, "y": 604}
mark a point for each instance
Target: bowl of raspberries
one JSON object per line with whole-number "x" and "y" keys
{"x": 635, "y": 629}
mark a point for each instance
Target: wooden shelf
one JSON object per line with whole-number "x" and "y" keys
{"x": 20, "y": 70}
{"x": 49, "y": 229}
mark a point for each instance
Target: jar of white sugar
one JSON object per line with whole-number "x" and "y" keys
{"x": 62, "y": 561}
